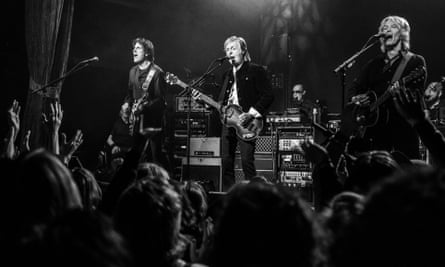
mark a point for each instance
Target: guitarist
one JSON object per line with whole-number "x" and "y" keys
{"x": 146, "y": 89}
{"x": 390, "y": 132}
{"x": 247, "y": 85}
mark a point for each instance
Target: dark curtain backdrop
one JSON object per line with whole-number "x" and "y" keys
{"x": 48, "y": 35}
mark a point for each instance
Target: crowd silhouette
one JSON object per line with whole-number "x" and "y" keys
{"x": 370, "y": 208}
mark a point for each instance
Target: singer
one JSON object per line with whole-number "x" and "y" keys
{"x": 245, "y": 84}
{"x": 391, "y": 132}
{"x": 145, "y": 102}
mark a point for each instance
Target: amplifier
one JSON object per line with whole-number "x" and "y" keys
{"x": 199, "y": 146}
{"x": 205, "y": 170}
{"x": 205, "y": 146}
{"x": 294, "y": 178}
{"x": 199, "y": 124}
{"x": 264, "y": 164}
{"x": 293, "y": 162}
{"x": 182, "y": 105}
{"x": 289, "y": 138}
{"x": 264, "y": 144}
{"x": 283, "y": 119}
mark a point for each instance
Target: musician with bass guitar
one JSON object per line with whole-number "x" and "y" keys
{"x": 373, "y": 108}
{"x": 245, "y": 85}
{"x": 145, "y": 102}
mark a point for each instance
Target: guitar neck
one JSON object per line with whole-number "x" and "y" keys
{"x": 208, "y": 100}
{"x": 380, "y": 100}
{"x": 387, "y": 94}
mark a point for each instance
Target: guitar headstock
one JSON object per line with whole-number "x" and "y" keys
{"x": 171, "y": 79}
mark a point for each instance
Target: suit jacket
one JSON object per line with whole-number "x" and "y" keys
{"x": 254, "y": 87}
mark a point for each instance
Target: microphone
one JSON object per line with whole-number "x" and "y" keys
{"x": 223, "y": 58}
{"x": 382, "y": 34}
{"x": 86, "y": 61}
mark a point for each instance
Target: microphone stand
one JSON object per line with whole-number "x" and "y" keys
{"x": 341, "y": 69}
{"x": 73, "y": 70}
{"x": 195, "y": 83}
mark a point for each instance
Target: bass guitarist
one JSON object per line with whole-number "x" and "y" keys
{"x": 388, "y": 130}
{"x": 145, "y": 101}
{"x": 247, "y": 85}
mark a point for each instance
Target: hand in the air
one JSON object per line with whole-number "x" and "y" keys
{"x": 14, "y": 115}
{"x": 314, "y": 152}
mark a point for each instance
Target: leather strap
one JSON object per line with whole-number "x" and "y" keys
{"x": 401, "y": 67}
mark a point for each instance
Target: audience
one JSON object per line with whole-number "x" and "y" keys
{"x": 370, "y": 208}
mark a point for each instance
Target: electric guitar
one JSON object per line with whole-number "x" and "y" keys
{"x": 368, "y": 115}
{"x": 229, "y": 114}
{"x": 134, "y": 111}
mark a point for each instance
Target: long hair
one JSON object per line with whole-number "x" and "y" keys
{"x": 404, "y": 29}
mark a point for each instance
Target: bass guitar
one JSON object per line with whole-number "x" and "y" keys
{"x": 368, "y": 115}
{"x": 229, "y": 114}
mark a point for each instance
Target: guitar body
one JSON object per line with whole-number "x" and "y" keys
{"x": 230, "y": 118}
{"x": 364, "y": 115}
{"x": 135, "y": 110}
{"x": 229, "y": 114}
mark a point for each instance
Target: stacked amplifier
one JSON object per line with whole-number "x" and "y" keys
{"x": 293, "y": 169}
{"x": 204, "y": 162}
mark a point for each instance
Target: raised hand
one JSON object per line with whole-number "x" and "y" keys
{"x": 14, "y": 116}
{"x": 314, "y": 152}
{"x": 24, "y": 146}
{"x": 67, "y": 148}
{"x": 56, "y": 116}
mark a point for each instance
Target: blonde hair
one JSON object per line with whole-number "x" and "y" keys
{"x": 404, "y": 29}
{"x": 242, "y": 44}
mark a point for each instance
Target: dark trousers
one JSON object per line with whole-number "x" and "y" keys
{"x": 229, "y": 142}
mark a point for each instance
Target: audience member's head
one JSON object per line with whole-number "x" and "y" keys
{"x": 148, "y": 215}
{"x": 264, "y": 225}
{"x": 89, "y": 189}
{"x": 44, "y": 189}
{"x": 401, "y": 224}
{"x": 83, "y": 238}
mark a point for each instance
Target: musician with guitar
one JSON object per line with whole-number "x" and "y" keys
{"x": 373, "y": 108}
{"x": 246, "y": 91}
{"x": 145, "y": 101}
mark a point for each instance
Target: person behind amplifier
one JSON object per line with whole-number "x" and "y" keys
{"x": 392, "y": 132}
{"x": 303, "y": 106}
{"x": 245, "y": 84}
{"x": 145, "y": 101}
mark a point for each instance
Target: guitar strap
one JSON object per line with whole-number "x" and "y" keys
{"x": 401, "y": 67}
{"x": 150, "y": 75}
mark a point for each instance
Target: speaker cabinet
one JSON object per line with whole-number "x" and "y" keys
{"x": 264, "y": 163}
{"x": 205, "y": 170}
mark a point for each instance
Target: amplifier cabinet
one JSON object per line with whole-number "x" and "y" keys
{"x": 264, "y": 163}
{"x": 182, "y": 105}
{"x": 265, "y": 144}
{"x": 205, "y": 170}
{"x": 205, "y": 146}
